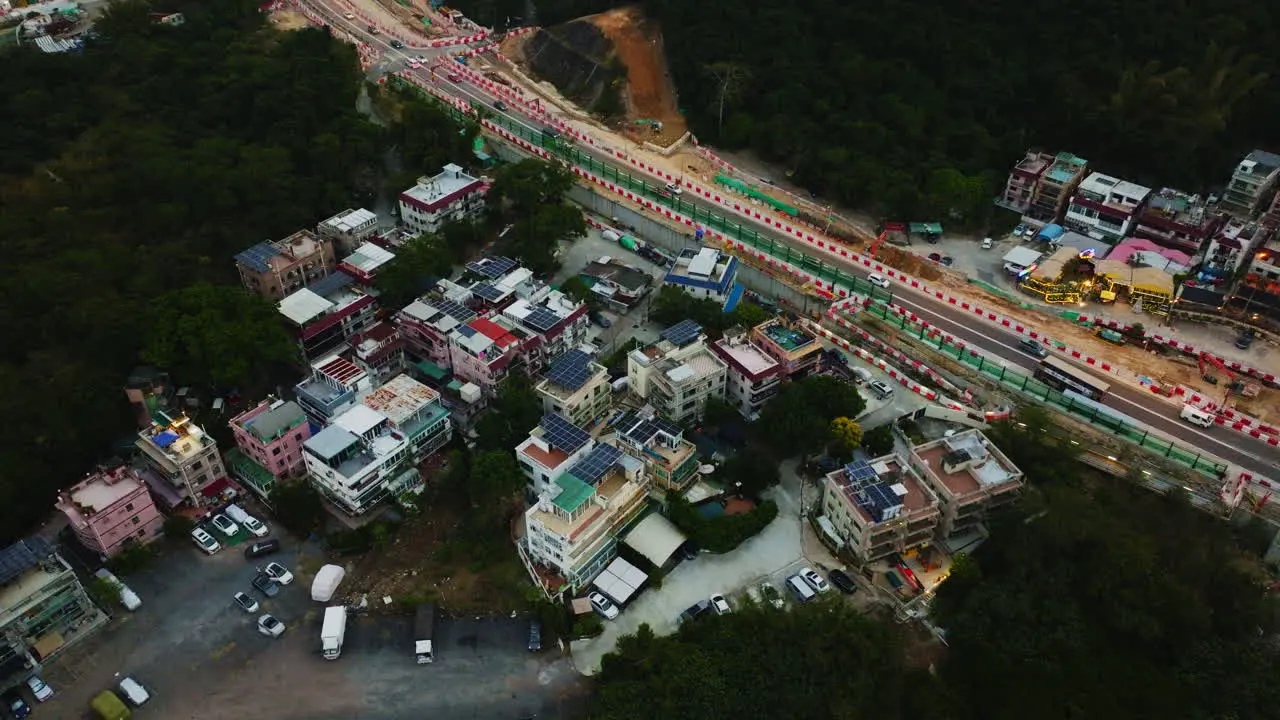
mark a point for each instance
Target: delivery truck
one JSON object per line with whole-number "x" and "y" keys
{"x": 333, "y": 631}
{"x": 424, "y": 630}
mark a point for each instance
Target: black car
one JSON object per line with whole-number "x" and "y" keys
{"x": 842, "y": 581}
{"x": 16, "y": 705}
{"x": 261, "y": 548}
{"x": 266, "y": 585}
{"x": 501, "y": 106}
{"x": 397, "y": 44}
{"x": 535, "y": 636}
{"x": 701, "y": 607}
{"x": 601, "y": 320}
{"x": 1245, "y": 340}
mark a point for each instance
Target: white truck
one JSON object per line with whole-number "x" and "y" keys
{"x": 424, "y": 629}
{"x": 333, "y": 631}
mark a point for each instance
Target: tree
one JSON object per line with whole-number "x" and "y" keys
{"x": 494, "y": 480}
{"x": 298, "y": 508}
{"x": 751, "y": 471}
{"x": 717, "y": 412}
{"x": 749, "y": 315}
{"x": 845, "y": 435}
{"x": 215, "y": 334}
{"x": 417, "y": 265}
{"x": 797, "y": 420}
{"x": 529, "y": 196}
{"x": 577, "y": 288}
{"x": 878, "y": 441}
{"x": 513, "y": 412}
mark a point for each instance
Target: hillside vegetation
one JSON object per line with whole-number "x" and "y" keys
{"x": 918, "y": 108}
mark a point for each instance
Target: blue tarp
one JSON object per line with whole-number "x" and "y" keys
{"x": 166, "y": 438}
{"x": 1050, "y": 232}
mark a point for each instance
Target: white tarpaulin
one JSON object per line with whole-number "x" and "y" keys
{"x": 326, "y": 582}
{"x": 620, "y": 580}
{"x": 655, "y": 538}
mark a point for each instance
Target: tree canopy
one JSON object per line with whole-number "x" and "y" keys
{"x": 798, "y": 420}
{"x": 528, "y": 198}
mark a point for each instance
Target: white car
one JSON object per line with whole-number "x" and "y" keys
{"x": 205, "y": 541}
{"x": 720, "y": 605}
{"x": 254, "y": 526}
{"x": 128, "y": 597}
{"x": 225, "y": 525}
{"x": 878, "y": 280}
{"x": 814, "y": 579}
{"x": 604, "y": 606}
{"x": 270, "y": 626}
{"x": 414, "y": 64}
{"x": 39, "y": 688}
{"x": 349, "y": 16}
{"x": 133, "y": 691}
{"x": 278, "y": 572}
{"x": 246, "y": 602}
{"x": 674, "y": 188}
{"x": 986, "y": 243}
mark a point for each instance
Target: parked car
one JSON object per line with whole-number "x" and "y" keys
{"x": 278, "y": 572}
{"x": 861, "y": 375}
{"x": 250, "y": 523}
{"x": 881, "y": 389}
{"x": 1033, "y": 347}
{"x": 674, "y": 189}
{"x": 814, "y": 579}
{"x": 699, "y": 608}
{"x": 599, "y": 319}
{"x": 1019, "y": 230}
{"x": 878, "y": 280}
{"x": 133, "y": 692}
{"x": 261, "y": 548}
{"x": 771, "y": 595}
{"x": 535, "y": 636}
{"x": 39, "y": 688}
{"x": 947, "y": 261}
{"x": 266, "y": 585}
{"x": 205, "y": 541}
{"x": 128, "y": 598}
{"x": 269, "y": 626}
{"x": 17, "y": 706}
{"x": 246, "y": 602}
{"x": 225, "y": 525}
{"x": 936, "y": 257}
{"x": 720, "y": 605}
{"x": 349, "y": 16}
{"x": 604, "y": 606}
{"x": 843, "y": 582}
{"x": 1246, "y": 339}
{"x": 987, "y": 243}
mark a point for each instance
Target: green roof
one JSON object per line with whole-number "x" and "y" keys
{"x": 573, "y": 493}
{"x": 455, "y": 385}
{"x": 432, "y": 370}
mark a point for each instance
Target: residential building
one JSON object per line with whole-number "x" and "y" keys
{"x": 450, "y": 195}
{"x": 482, "y": 351}
{"x": 1178, "y": 221}
{"x": 110, "y": 509}
{"x": 425, "y": 325}
{"x": 363, "y": 264}
{"x": 704, "y": 273}
{"x": 500, "y": 281}
{"x": 334, "y": 387}
{"x": 1055, "y": 186}
{"x": 1271, "y": 218}
{"x": 796, "y": 350}
{"x": 550, "y": 450}
{"x": 876, "y": 508}
{"x": 349, "y": 230}
{"x": 1234, "y": 244}
{"x": 371, "y": 452}
{"x": 619, "y": 285}
{"x": 149, "y": 390}
{"x": 678, "y": 373}
{"x": 558, "y": 321}
{"x": 573, "y": 530}
{"x": 670, "y": 460}
{"x": 379, "y": 351}
{"x": 1024, "y": 180}
{"x": 753, "y": 374}
{"x": 577, "y": 387}
{"x": 970, "y": 477}
{"x": 278, "y": 268}
{"x": 325, "y": 315}
{"x": 1105, "y": 208}
{"x": 269, "y": 440}
{"x": 1251, "y": 184}
{"x": 182, "y": 464}
{"x": 43, "y": 608}
{"x": 1264, "y": 267}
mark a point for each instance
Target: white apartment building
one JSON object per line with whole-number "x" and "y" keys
{"x": 1252, "y": 183}
{"x": 434, "y": 201}
{"x": 550, "y": 450}
{"x": 678, "y": 373}
{"x": 577, "y": 387}
{"x": 1105, "y": 208}
{"x": 183, "y": 465}
{"x": 349, "y": 229}
{"x": 704, "y": 273}
{"x": 371, "y": 451}
{"x": 333, "y": 388}
{"x": 753, "y": 375}
{"x": 970, "y": 476}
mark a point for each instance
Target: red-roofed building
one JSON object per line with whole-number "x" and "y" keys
{"x": 483, "y": 350}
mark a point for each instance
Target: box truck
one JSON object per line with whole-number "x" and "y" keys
{"x": 333, "y": 631}
{"x": 424, "y": 629}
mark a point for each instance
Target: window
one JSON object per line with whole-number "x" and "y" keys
{"x": 135, "y": 520}
{"x": 297, "y": 436}
{"x": 197, "y": 465}
{"x": 275, "y": 451}
{"x": 142, "y": 532}
{"x": 129, "y": 507}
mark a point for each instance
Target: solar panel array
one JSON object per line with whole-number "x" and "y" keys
{"x": 541, "y": 319}
{"x": 667, "y": 427}
{"x": 487, "y": 291}
{"x": 682, "y": 333}
{"x": 637, "y": 428}
{"x": 21, "y": 557}
{"x": 859, "y": 471}
{"x": 331, "y": 283}
{"x": 592, "y": 468}
{"x": 492, "y": 267}
{"x": 571, "y": 370}
{"x": 562, "y": 434}
{"x": 871, "y": 494}
{"x": 257, "y": 256}
{"x": 461, "y": 313}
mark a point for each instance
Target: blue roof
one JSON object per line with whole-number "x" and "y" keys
{"x": 331, "y": 283}
{"x": 165, "y": 439}
{"x": 720, "y": 287}
{"x": 1051, "y": 232}
{"x": 256, "y": 257}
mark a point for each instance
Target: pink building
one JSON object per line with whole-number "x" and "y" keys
{"x": 271, "y": 435}
{"x": 110, "y": 508}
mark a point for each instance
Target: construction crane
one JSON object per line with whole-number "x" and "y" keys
{"x": 1233, "y": 384}
{"x": 875, "y": 245}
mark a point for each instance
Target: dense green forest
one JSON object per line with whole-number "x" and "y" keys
{"x": 1093, "y": 599}
{"x": 130, "y": 175}
{"x": 917, "y": 108}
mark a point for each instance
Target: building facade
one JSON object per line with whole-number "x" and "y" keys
{"x": 577, "y": 387}
{"x": 434, "y": 201}
{"x": 333, "y": 388}
{"x": 970, "y": 477}
{"x": 379, "y": 351}
{"x": 43, "y": 608}
{"x": 279, "y": 268}
{"x": 549, "y": 451}
{"x": 1020, "y": 188}
{"x": 270, "y": 437}
{"x": 182, "y": 462}
{"x": 1105, "y": 208}
{"x": 1178, "y": 221}
{"x": 677, "y": 374}
{"x": 349, "y": 229}
{"x": 754, "y": 376}
{"x": 371, "y": 451}
{"x": 1252, "y": 183}
{"x": 1055, "y": 186}
{"x": 110, "y": 509}
{"x": 363, "y": 263}
{"x": 324, "y": 316}
{"x": 879, "y": 507}
{"x": 704, "y": 273}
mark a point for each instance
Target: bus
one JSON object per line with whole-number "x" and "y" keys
{"x": 1062, "y": 376}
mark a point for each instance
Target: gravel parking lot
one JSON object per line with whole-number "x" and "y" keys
{"x": 203, "y": 659}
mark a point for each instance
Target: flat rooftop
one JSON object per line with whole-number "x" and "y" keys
{"x": 1035, "y": 163}
{"x": 433, "y": 192}
{"x": 1065, "y": 167}
{"x": 368, "y": 258}
{"x": 746, "y": 355}
{"x": 1107, "y": 186}
{"x": 271, "y": 423}
{"x": 179, "y": 439}
{"x": 988, "y": 470}
{"x": 351, "y": 220}
{"x": 400, "y": 398}
{"x": 890, "y": 471}
{"x": 614, "y": 486}
{"x": 306, "y": 305}
{"x": 102, "y": 490}
{"x": 789, "y": 339}
{"x": 551, "y": 458}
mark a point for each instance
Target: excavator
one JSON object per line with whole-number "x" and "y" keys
{"x": 1234, "y": 385}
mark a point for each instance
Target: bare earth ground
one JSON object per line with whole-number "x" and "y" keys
{"x": 650, "y": 92}
{"x": 289, "y": 20}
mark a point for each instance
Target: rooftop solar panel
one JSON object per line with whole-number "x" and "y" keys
{"x": 682, "y": 333}
{"x": 487, "y": 291}
{"x": 859, "y": 472}
{"x": 641, "y": 431}
{"x": 257, "y": 256}
{"x": 562, "y": 434}
{"x": 454, "y": 310}
{"x": 541, "y": 319}
{"x": 667, "y": 427}
{"x": 571, "y": 370}
{"x": 22, "y": 556}
{"x": 592, "y": 468}
{"x": 492, "y": 267}
{"x": 331, "y": 283}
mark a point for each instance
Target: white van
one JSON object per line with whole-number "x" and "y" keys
{"x": 1196, "y": 416}
{"x": 801, "y": 589}
{"x": 133, "y": 692}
